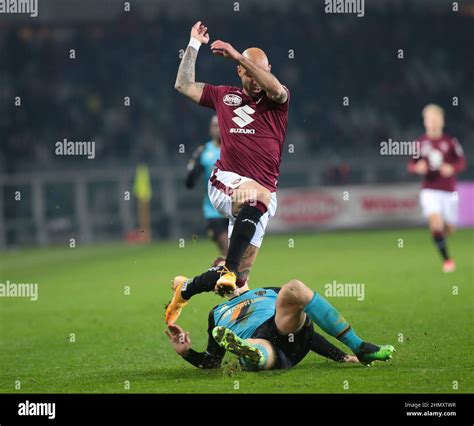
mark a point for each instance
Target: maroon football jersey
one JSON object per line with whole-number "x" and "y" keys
{"x": 252, "y": 132}
{"x": 436, "y": 152}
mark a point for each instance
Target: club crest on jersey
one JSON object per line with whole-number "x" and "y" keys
{"x": 232, "y": 100}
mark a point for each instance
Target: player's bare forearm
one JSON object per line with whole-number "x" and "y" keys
{"x": 266, "y": 80}
{"x": 185, "y": 80}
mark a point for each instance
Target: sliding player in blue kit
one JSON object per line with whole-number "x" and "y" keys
{"x": 272, "y": 328}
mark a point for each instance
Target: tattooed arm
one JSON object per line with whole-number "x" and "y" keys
{"x": 185, "y": 80}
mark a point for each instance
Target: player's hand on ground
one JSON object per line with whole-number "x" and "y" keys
{"x": 421, "y": 167}
{"x": 446, "y": 170}
{"x": 224, "y": 49}
{"x": 179, "y": 339}
{"x": 199, "y": 32}
{"x": 350, "y": 358}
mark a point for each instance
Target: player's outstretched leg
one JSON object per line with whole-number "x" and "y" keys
{"x": 184, "y": 289}
{"x": 251, "y": 201}
{"x": 253, "y": 354}
{"x": 295, "y": 300}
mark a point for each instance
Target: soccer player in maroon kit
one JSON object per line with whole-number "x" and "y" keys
{"x": 252, "y": 121}
{"x": 441, "y": 158}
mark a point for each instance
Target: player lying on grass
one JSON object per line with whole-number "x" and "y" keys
{"x": 272, "y": 328}
{"x": 253, "y": 122}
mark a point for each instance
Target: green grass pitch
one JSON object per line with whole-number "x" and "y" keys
{"x": 120, "y": 345}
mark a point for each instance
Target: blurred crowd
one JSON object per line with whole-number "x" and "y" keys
{"x": 354, "y": 82}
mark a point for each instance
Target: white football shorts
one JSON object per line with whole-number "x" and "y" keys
{"x": 220, "y": 188}
{"x": 444, "y": 203}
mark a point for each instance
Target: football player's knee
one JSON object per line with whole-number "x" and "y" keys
{"x": 436, "y": 226}
{"x": 297, "y": 291}
{"x": 264, "y": 196}
{"x": 236, "y": 207}
{"x": 436, "y": 223}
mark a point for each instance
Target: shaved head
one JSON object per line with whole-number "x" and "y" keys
{"x": 257, "y": 56}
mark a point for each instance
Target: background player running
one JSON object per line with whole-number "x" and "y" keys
{"x": 271, "y": 328}
{"x": 253, "y": 121}
{"x": 441, "y": 158}
{"x": 201, "y": 164}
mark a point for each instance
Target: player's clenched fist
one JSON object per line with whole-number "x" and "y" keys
{"x": 421, "y": 167}
{"x": 199, "y": 32}
{"x": 224, "y": 49}
{"x": 446, "y": 170}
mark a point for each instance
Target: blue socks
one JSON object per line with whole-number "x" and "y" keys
{"x": 332, "y": 322}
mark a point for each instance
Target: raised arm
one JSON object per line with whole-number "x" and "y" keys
{"x": 265, "y": 79}
{"x": 185, "y": 80}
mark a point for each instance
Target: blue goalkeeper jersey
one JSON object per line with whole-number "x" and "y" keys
{"x": 245, "y": 313}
